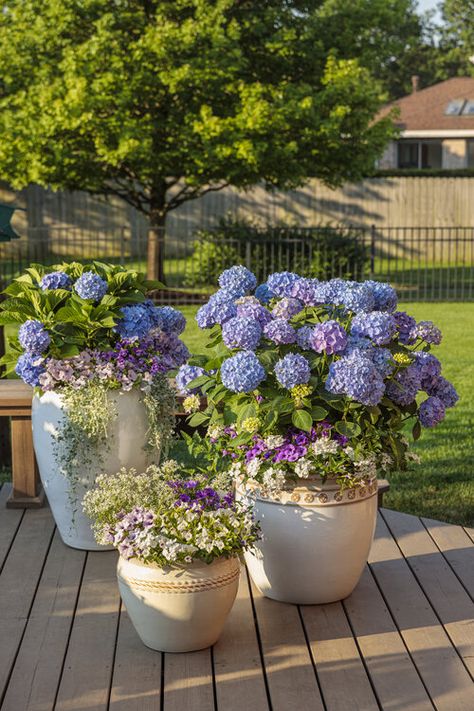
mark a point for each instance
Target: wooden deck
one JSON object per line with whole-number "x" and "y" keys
{"x": 404, "y": 640}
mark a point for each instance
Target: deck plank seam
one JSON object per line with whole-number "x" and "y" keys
{"x": 425, "y": 594}
{"x": 407, "y": 649}
{"x": 2, "y": 565}
{"x": 259, "y": 641}
{"x": 468, "y": 533}
{"x": 313, "y": 661}
{"x": 362, "y": 658}
{"x": 71, "y": 626}
{"x": 162, "y": 682}
{"x": 447, "y": 561}
{"x": 114, "y": 655}
{"x": 27, "y": 618}
{"x": 214, "y": 685}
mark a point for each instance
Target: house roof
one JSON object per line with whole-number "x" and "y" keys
{"x": 425, "y": 110}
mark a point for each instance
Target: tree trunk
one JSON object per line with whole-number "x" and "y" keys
{"x": 156, "y": 244}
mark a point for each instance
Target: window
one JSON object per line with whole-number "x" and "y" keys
{"x": 420, "y": 154}
{"x": 468, "y": 109}
{"x": 454, "y": 108}
{"x": 470, "y": 154}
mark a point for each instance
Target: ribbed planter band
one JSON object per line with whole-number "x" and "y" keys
{"x": 188, "y": 586}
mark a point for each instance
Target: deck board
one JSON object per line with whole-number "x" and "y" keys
{"x": 401, "y": 641}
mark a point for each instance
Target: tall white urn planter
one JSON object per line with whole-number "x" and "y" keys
{"x": 125, "y": 448}
{"x": 316, "y": 541}
{"x": 181, "y": 608}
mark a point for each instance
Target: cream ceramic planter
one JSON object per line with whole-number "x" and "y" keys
{"x": 182, "y": 608}
{"x": 316, "y": 541}
{"x": 125, "y": 448}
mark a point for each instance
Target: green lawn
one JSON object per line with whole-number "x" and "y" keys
{"x": 442, "y": 486}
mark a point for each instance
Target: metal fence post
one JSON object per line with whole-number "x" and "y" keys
{"x": 372, "y": 250}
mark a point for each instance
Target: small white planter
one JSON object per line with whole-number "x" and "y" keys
{"x": 125, "y": 448}
{"x": 181, "y": 608}
{"x": 316, "y": 541}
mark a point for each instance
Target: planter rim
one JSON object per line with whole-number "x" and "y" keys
{"x": 315, "y": 496}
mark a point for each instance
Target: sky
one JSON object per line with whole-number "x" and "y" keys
{"x": 428, "y": 4}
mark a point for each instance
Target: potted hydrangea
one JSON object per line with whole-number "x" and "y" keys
{"x": 310, "y": 389}
{"x": 179, "y": 542}
{"x": 97, "y": 352}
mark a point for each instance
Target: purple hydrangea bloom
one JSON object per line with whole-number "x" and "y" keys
{"x": 303, "y": 337}
{"x": 428, "y": 332}
{"x": 292, "y": 370}
{"x": 172, "y": 320}
{"x": 287, "y": 308}
{"x": 30, "y": 367}
{"x": 378, "y": 326}
{"x": 333, "y": 290}
{"x": 405, "y": 385}
{"x": 56, "y": 280}
{"x": 263, "y": 293}
{"x": 33, "y": 337}
{"x": 383, "y": 361}
{"x": 444, "y": 390}
{"x": 135, "y": 322}
{"x": 357, "y": 377}
{"x": 357, "y": 343}
{"x": 432, "y": 412}
{"x": 250, "y": 307}
{"x": 405, "y": 326}
{"x": 185, "y": 375}
{"x": 238, "y": 280}
{"x": 329, "y": 337}
{"x": 242, "y": 332}
{"x": 91, "y": 286}
{"x": 219, "y": 309}
{"x": 281, "y": 283}
{"x": 280, "y": 331}
{"x": 307, "y": 291}
{"x": 385, "y": 296}
{"x": 356, "y": 297}
{"x": 429, "y": 367}
{"x": 242, "y": 373}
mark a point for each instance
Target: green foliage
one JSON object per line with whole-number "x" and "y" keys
{"x": 320, "y": 252}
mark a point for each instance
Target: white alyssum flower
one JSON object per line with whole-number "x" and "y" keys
{"x": 303, "y": 468}
{"x": 273, "y": 481}
{"x": 324, "y": 446}
{"x": 274, "y": 441}
{"x": 252, "y": 467}
{"x": 215, "y": 431}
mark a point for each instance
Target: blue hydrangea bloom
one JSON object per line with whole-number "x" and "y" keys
{"x": 33, "y": 337}
{"x": 405, "y": 326}
{"x": 428, "y": 366}
{"x": 308, "y": 291}
{"x": 30, "y": 367}
{"x": 250, "y": 307}
{"x": 383, "y": 361}
{"x": 385, "y": 296}
{"x": 281, "y": 283}
{"x": 263, "y": 293}
{"x": 292, "y": 370}
{"x": 405, "y": 385}
{"x": 239, "y": 280}
{"x": 333, "y": 290}
{"x": 136, "y": 321}
{"x": 185, "y": 375}
{"x": 428, "y": 332}
{"x": 357, "y": 377}
{"x": 303, "y": 337}
{"x": 356, "y": 297}
{"x": 219, "y": 309}
{"x": 172, "y": 320}
{"x": 280, "y": 331}
{"x": 444, "y": 390}
{"x": 91, "y": 286}
{"x": 242, "y": 332}
{"x": 328, "y": 337}
{"x": 378, "y": 326}
{"x": 357, "y": 343}
{"x": 432, "y": 412}
{"x": 242, "y": 373}
{"x": 287, "y": 308}
{"x": 56, "y": 280}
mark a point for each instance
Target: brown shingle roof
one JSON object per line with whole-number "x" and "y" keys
{"x": 424, "y": 110}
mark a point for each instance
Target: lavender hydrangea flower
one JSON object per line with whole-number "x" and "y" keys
{"x": 428, "y": 366}
{"x": 33, "y": 337}
{"x": 383, "y": 361}
{"x": 428, "y": 332}
{"x": 242, "y": 373}
{"x": 30, "y": 367}
{"x": 185, "y": 375}
{"x": 357, "y": 343}
{"x": 91, "y": 286}
{"x": 444, "y": 390}
{"x": 329, "y": 337}
{"x": 292, "y": 370}
{"x": 432, "y": 412}
{"x": 378, "y": 326}
{"x": 333, "y": 291}
{"x": 304, "y": 336}
{"x": 242, "y": 332}
{"x": 356, "y": 297}
{"x": 281, "y": 283}
{"x": 172, "y": 320}
{"x": 219, "y": 309}
{"x": 307, "y": 291}
{"x": 385, "y": 296}
{"x": 280, "y": 331}
{"x": 405, "y": 326}
{"x": 56, "y": 280}
{"x": 250, "y": 307}
{"x": 135, "y": 322}
{"x": 238, "y": 280}
{"x": 263, "y": 293}
{"x": 405, "y": 385}
{"x": 287, "y": 308}
{"x": 357, "y": 377}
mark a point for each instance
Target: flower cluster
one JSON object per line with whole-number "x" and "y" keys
{"x": 91, "y": 286}
{"x": 56, "y": 280}
{"x": 160, "y": 520}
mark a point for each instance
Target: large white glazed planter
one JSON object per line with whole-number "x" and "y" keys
{"x": 180, "y": 608}
{"x": 316, "y": 541}
{"x": 125, "y": 448}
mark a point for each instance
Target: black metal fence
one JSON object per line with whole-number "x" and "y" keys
{"x": 423, "y": 263}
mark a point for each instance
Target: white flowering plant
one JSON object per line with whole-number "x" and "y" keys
{"x": 159, "y": 517}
